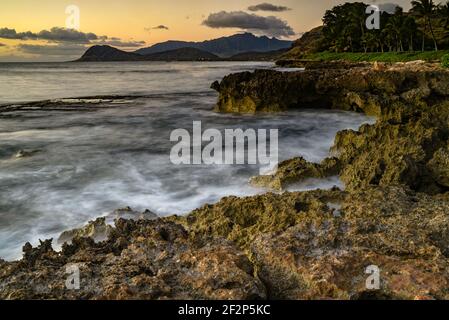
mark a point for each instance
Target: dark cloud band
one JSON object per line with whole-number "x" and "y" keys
{"x": 160, "y": 27}
{"x": 271, "y": 26}
{"x": 58, "y": 35}
{"x": 268, "y": 7}
{"x": 62, "y": 49}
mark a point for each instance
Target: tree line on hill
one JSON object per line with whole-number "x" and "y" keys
{"x": 424, "y": 27}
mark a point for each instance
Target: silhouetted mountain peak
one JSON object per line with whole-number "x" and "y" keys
{"x": 224, "y": 46}
{"x": 108, "y": 53}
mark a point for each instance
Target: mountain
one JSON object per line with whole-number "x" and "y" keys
{"x": 258, "y": 56}
{"x": 182, "y": 54}
{"x": 310, "y": 42}
{"x": 108, "y": 53}
{"x": 225, "y": 46}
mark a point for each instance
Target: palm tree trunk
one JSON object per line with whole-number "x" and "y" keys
{"x": 433, "y": 35}
{"x": 423, "y": 41}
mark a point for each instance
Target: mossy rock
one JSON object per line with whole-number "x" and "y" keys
{"x": 296, "y": 170}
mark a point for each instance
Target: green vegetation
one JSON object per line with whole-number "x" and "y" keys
{"x": 421, "y": 34}
{"x": 425, "y": 27}
{"x": 445, "y": 61}
{"x": 379, "y": 56}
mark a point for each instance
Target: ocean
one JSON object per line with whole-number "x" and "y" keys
{"x": 88, "y": 159}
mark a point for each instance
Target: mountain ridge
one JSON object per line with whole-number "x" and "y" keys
{"x": 105, "y": 53}
{"x": 224, "y": 46}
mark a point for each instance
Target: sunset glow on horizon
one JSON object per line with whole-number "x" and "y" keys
{"x": 139, "y": 23}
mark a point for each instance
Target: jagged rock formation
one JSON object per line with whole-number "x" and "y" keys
{"x": 355, "y": 89}
{"x": 317, "y": 245}
{"x": 394, "y": 213}
{"x": 309, "y": 245}
{"x": 407, "y": 145}
{"x": 139, "y": 260}
{"x": 297, "y": 169}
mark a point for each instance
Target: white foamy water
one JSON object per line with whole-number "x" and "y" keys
{"x": 89, "y": 163}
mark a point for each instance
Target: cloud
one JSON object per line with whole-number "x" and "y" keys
{"x": 54, "y": 34}
{"x": 63, "y": 35}
{"x": 160, "y": 27}
{"x": 270, "y": 26}
{"x": 6, "y": 33}
{"x": 120, "y": 43}
{"x": 61, "y": 49}
{"x": 268, "y": 7}
{"x": 388, "y": 7}
{"x": 68, "y": 35}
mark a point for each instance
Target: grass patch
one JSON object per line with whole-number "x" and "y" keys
{"x": 445, "y": 61}
{"x": 380, "y": 57}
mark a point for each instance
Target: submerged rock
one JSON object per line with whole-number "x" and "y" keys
{"x": 26, "y": 153}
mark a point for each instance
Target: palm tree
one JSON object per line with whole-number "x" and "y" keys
{"x": 357, "y": 16}
{"x": 395, "y": 26}
{"x": 425, "y": 9}
{"x": 388, "y": 38}
{"x": 409, "y": 30}
{"x": 444, "y": 14}
{"x": 370, "y": 41}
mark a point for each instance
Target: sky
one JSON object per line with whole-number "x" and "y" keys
{"x": 47, "y": 30}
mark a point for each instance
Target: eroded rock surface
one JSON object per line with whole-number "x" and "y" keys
{"x": 303, "y": 250}
{"x": 393, "y": 214}
{"x": 139, "y": 260}
{"x": 278, "y": 246}
{"x": 294, "y": 170}
{"x": 406, "y": 146}
{"x": 358, "y": 89}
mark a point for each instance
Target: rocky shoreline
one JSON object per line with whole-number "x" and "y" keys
{"x": 394, "y": 213}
